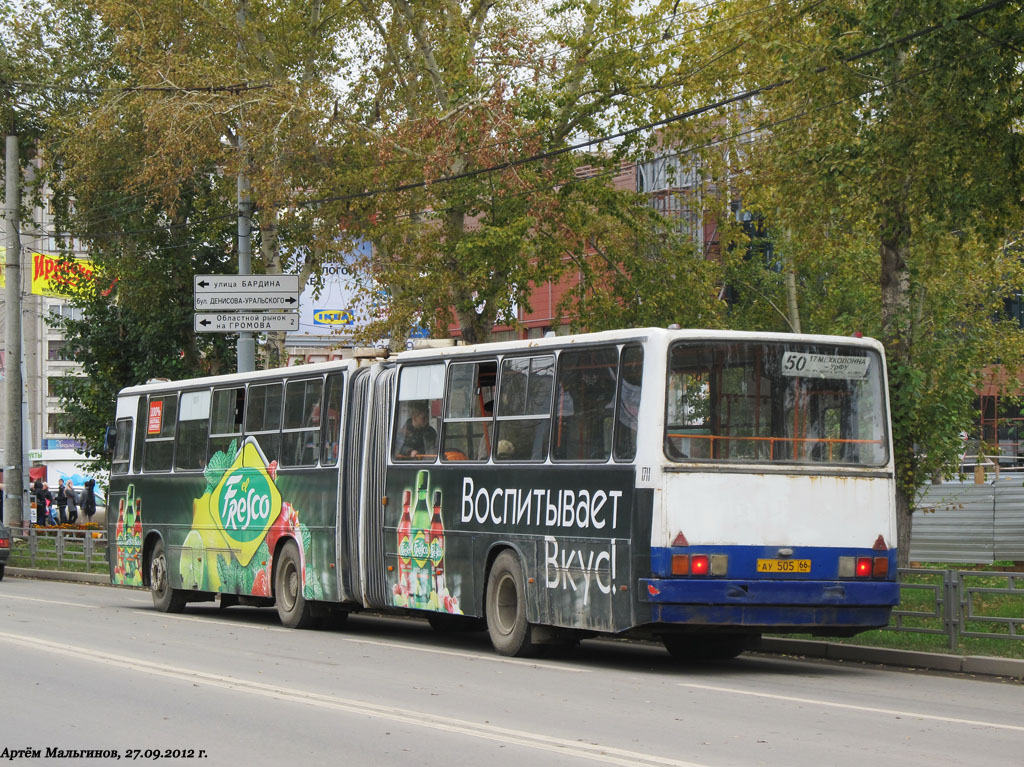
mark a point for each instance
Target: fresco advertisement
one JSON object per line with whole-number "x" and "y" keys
{"x": 236, "y": 525}
{"x": 421, "y": 581}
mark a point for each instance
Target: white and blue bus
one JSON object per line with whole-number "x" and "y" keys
{"x": 698, "y": 487}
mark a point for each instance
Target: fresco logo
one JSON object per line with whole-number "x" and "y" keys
{"x": 246, "y": 501}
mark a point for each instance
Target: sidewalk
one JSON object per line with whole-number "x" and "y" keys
{"x": 882, "y": 656}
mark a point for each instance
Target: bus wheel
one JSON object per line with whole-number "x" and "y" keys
{"x": 506, "y": 607}
{"x": 165, "y": 599}
{"x": 293, "y": 609}
{"x": 706, "y": 647}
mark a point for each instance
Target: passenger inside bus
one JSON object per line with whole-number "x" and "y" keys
{"x": 419, "y": 438}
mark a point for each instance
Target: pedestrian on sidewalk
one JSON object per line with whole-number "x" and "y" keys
{"x": 72, "y": 498}
{"x": 89, "y": 499}
{"x": 62, "y": 502}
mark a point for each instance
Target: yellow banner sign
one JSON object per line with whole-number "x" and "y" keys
{"x": 51, "y": 276}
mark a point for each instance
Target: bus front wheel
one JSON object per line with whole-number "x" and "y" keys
{"x": 509, "y": 630}
{"x": 293, "y": 609}
{"x": 165, "y": 598}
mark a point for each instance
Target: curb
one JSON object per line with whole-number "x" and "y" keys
{"x": 964, "y": 664}
{"x": 883, "y": 656}
{"x": 58, "y": 575}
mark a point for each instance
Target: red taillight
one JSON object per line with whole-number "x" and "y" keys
{"x": 5, "y": 543}
{"x": 700, "y": 564}
{"x": 864, "y": 567}
{"x": 881, "y": 568}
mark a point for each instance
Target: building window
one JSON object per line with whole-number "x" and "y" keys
{"x": 55, "y": 351}
{"x": 54, "y": 423}
{"x": 66, "y": 311}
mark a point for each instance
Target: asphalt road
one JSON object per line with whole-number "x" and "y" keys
{"x": 93, "y": 667}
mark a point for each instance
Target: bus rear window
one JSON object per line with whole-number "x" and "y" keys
{"x": 774, "y": 402}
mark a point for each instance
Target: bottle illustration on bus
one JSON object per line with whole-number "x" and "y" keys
{"x": 421, "y": 582}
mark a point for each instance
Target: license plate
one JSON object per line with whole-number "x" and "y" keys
{"x": 783, "y": 565}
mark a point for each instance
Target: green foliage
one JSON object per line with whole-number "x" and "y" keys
{"x": 886, "y": 166}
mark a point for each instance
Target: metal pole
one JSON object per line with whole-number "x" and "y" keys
{"x": 246, "y": 348}
{"x": 14, "y": 495}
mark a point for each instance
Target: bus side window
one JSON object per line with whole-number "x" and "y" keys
{"x": 193, "y": 430}
{"x": 417, "y": 416}
{"x": 627, "y": 407}
{"x": 263, "y": 418}
{"x": 226, "y": 420}
{"x": 161, "y": 417}
{"x": 524, "y": 408}
{"x": 468, "y": 422}
{"x": 584, "y": 405}
{"x": 302, "y": 414}
{"x": 122, "y": 446}
{"x": 331, "y": 425}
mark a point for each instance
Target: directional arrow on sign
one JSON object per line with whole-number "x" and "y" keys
{"x": 246, "y": 292}
{"x": 246, "y": 322}
{"x": 247, "y": 283}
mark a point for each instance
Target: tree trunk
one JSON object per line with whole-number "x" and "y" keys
{"x": 897, "y": 338}
{"x": 904, "y": 524}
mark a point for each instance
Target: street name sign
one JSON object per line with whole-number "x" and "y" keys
{"x": 245, "y": 322}
{"x": 246, "y": 292}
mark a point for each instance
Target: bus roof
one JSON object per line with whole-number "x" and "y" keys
{"x": 666, "y": 335}
{"x": 633, "y": 334}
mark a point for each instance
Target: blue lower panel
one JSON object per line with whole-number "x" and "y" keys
{"x": 773, "y": 617}
{"x": 708, "y": 591}
{"x": 774, "y": 603}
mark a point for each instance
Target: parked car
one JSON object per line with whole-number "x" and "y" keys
{"x": 5, "y": 548}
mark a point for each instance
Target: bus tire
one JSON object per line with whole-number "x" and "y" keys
{"x": 292, "y": 608}
{"x": 510, "y": 632}
{"x": 2, "y": 568}
{"x": 165, "y": 598}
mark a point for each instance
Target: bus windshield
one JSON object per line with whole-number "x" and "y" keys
{"x": 758, "y": 402}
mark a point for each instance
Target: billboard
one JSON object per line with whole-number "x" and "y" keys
{"x": 51, "y": 276}
{"x": 334, "y": 311}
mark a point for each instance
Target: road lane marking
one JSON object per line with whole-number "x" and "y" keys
{"x": 402, "y": 715}
{"x": 852, "y": 707}
{"x": 47, "y": 601}
{"x": 378, "y": 642}
{"x": 386, "y": 643}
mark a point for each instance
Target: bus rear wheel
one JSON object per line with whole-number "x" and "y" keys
{"x": 165, "y": 598}
{"x": 292, "y": 608}
{"x": 507, "y": 626}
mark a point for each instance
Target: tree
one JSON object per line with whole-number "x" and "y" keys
{"x": 464, "y": 114}
{"x": 888, "y": 142}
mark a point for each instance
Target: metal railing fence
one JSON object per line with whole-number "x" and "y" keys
{"x": 59, "y": 549}
{"x": 960, "y": 603}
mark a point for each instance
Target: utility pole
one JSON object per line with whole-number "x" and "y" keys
{"x": 246, "y": 347}
{"x": 245, "y": 350}
{"x": 14, "y": 495}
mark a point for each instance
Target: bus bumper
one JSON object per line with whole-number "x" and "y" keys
{"x": 779, "y": 605}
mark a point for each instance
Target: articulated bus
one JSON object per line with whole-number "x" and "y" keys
{"x": 694, "y": 487}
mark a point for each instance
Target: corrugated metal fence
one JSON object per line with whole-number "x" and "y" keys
{"x": 970, "y": 524}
